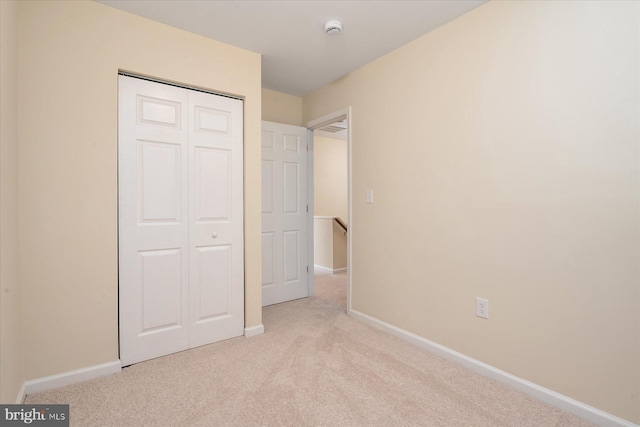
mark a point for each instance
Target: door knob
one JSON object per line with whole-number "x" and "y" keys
{"x": 214, "y": 235}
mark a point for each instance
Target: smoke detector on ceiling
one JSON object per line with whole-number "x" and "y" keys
{"x": 333, "y": 28}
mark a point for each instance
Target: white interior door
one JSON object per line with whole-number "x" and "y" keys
{"x": 216, "y": 254}
{"x": 180, "y": 217}
{"x": 284, "y": 213}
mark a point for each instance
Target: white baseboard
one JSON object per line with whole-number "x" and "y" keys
{"x": 21, "y": 395}
{"x": 253, "y": 331}
{"x": 545, "y": 395}
{"x": 71, "y": 377}
{"x": 329, "y": 270}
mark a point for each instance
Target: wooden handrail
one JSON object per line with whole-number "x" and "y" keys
{"x": 340, "y": 223}
{"x": 337, "y": 219}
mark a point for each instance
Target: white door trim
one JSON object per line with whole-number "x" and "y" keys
{"x": 310, "y": 242}
{"x": 342, "y": 114}
{"x": 178, "y": 85}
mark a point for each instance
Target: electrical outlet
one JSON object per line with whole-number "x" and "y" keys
{"x": 482, "y": 308}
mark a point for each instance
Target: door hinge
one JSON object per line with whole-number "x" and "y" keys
{"x": 307, "y": 268}
{"x": 307, "y": 208}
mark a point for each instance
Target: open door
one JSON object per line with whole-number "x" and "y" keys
{"x": 285, "y": 213}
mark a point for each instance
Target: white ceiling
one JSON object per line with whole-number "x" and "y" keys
{"x": 297, "y": 56}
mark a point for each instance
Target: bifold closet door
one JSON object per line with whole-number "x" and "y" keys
{"x": 180, "y": 217}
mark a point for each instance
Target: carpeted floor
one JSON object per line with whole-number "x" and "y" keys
{"x": 331, "y": 287}
{"x": 314, "y": 366}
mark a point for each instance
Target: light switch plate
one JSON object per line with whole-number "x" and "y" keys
{"x": 369, "y": 196}
{"x": 482, "y": 308}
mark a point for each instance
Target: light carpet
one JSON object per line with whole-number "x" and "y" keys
{"x": 313, "y": 366}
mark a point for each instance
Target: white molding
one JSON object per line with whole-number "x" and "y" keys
{"x": 349, "y": 208}
{"x": 253, "y": 331}
{"x": 536, "y": 391}
{"x": 311, "y": 203}
{"x": 71, "y": 377}
{"x": 329, "y": 270}
{"x": 321, "y": 268}
{"x": 328, "y": 119}
{"x": 21, "y": 395}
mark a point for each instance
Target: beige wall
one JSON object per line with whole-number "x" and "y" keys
{"x": 281, "y": 108}
{"x": 11, "y": 367}
{"x": 329, "y": 244}
{"x": 323, "y": 242}
{"x": 330, "y": 177}
{"x": 69, "y": 56}
{"x": 339, "y": 247}
{"x": 503, "y": 149}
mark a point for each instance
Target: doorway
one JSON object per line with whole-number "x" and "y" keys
{"x": 332, "y": 205}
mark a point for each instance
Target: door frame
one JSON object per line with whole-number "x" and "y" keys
{"x": 336, "y": 116}
{"x": 310, "y": 210}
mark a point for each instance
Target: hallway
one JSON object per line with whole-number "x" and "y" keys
{"x": 331, "y": 287}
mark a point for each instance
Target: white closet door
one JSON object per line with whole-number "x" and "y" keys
{"x": 284, "y": 213}
{"x": 216, "y": 307}
{"x": 172, "y": 280}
